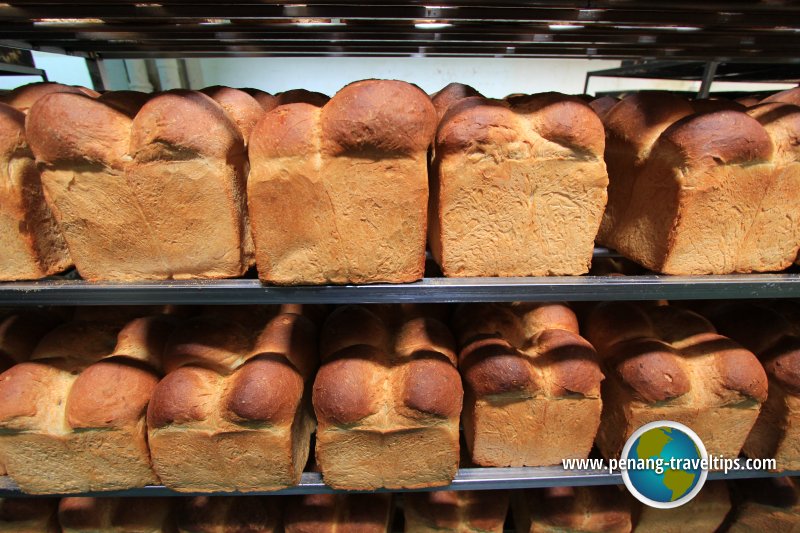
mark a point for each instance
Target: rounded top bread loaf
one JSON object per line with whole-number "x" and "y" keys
{"x": 498, "y": 342}
{"x": 450, "y": 94}
{"x": 647, "y": 347}
{"x": 789, "y": 96}
{"x": 23, "y": 97}
{"x": 603, "y": 105}
{"x": 128, "y": 102}
{"x": 245, "y": 110}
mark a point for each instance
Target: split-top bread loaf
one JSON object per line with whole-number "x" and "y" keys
{"x": 338, "y": 513}
{"x": 32, "y": 244}
{"x": 532, "y": 384}
{"x": 668, "y": 363}
{"x": 232, "y": 414}
{"x": 713, "y": 192}
{"x": 116, "y": 515}
{"x": 72, "y": 417}
{"x": 772, "y": 332}
{"x": 518, "y": 188}
{"x": 150, "y": 193}
{"x": 339, "y": 193}
{"x": 462, "y": 511}
{"x": 387, "y": 398}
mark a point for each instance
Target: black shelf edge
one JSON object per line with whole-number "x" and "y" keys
{"x": 466, "y": 479}
{"x": 429, "y": 290}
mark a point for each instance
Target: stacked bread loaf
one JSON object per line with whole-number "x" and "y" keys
{"x": 72, "y": 417}
{"x": 338, "y": 513}
{"x": 32, "y": 244}
{"x": 387, "y": 398}
{"x": 256, "y": 514}
{"x": 703, "y": 514}
{"x": 338, "y": 193}
{"x": 449, "y": 95}
{"x": 725, "y": 180}
{"x": 579, "y": 509}
{"x": 668, "y": 363}
{"x": 115, "y": 515}
{"x": 773, "y": 334}
{"x": 150, "y": 193}
{"x": 29, "y": 515}
{"x": 532, "y": 384}
{"x": 456, "y": 511}
{"x": 518, "y": 187}
{"x": 232, "y": 413}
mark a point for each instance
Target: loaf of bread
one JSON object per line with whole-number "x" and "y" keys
{"x": 773, "y": 334}
{"x": 23, "y": 97}
{"x": 30, "y": 238}
{"x": 456, "y": 511}
{"x": 338, "y": 513}
{"x": 72, "y": 418}
{"x": 719, "y": 177}
{"x": 668, "y": 363}
{"x": 235, "y": 514}
{"x": 517, "y": 188}
{"x": 232, "y": 413}
{"x": 128, "y": 102}
{"x": 573, "y": 509}
{"x": 387, "y": 399}
{"x": 29, "y": 515}
{"x": 747, "y": 101}
{"x": 532, "y": 384}
{"x": 158, "y": 195}
{"x": 770, "y": 504}
{"x": 449, "y": 95}
{"x": 245, "y": 110}
{"x": 116, "y": 515}
{"x": 789, "y": 96}
{"x": 339, "y": 194}
{"x": 703, "y": 514}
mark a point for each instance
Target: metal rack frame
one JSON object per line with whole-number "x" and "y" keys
{"x": 715, "y": 33}
{"x": 466, "y": 479}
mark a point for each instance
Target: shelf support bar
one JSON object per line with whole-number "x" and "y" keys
{"x": 709, "y": 72}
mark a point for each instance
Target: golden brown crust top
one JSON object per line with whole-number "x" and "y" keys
{"x": 21, "y": 386}
{"x": 718, "y": 138}
{"x": 506, "y": 348}
{"x": 74, "y": 128}
{"x": 21, "y": 332}
{"x": 352, "y": 325}
{"x": 565, "y": 120}
{"x": 111, "y": 393}
{"x": 182, "y": 397}
{"x": 340, "y": 389}
{"x": 204, "y": 129}
{"x": 265, "y": 389}
{"x": 639, "y": 119}
{"x": 286, "y": 131}
{"x": 80, "y": 343}
{"x": 378, "y": 116}
{"x": 242, "y": 108}
{"x": 292, "y": 336}
{"x": 210, "y": 342}
{"x": 425, "y": 335}
{"x": 450, "y": 94}
{"x": 433, "y": 388}
{"x": 782, "y": 122}
{"x": 24, "y": 97}
{"x": 128, "y": 102}
{"x": 267, "y": 101}
{"x": 789, "y": 96}
{"x": 648, "y": 347}
{"x": 603, "y": 105}
{"x": 143, "y": 339}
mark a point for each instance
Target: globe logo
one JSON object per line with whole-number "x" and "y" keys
{"x": 664, "y": 464}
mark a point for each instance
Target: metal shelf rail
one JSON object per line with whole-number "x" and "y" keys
{"x": 466, "y": 479}
{"x": 431, "y": 290}
{"x": 746, "y": 29}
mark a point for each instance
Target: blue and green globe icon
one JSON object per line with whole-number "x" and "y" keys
{"x": 669, "y": 460}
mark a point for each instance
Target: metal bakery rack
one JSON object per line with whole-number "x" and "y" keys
{"x": 671, "y": 32}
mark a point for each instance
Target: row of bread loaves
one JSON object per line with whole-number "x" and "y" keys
{"x": 242, "y": 391}
{"x": 748, "y": 506}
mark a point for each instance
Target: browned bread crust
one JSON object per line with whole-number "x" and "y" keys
{"x": 462, "y": 511}
{"x": 586, "y": 509}
{"x": 388, "y": 388}
{"x": 332, "y": 513}
{"x": 221, "y": 514}
{"x": 129, "y": 515}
